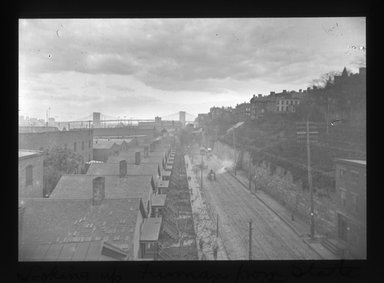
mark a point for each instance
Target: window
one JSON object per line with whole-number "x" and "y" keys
{"x": 29, "y": 175}
{"x": 74, "y": 146}
{"x": 355, "y": 177}
{"x": 355, "y": 200}
{"x": 343, "y": 197}
{"x": 82, "y": 145}
{"x": 342, "y": 171}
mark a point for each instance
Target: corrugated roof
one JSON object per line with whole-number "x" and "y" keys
{"x": 64, "y": 221}
{"x": 79, "y": 186}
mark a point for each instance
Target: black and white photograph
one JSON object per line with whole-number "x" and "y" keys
{"x": 192, "y": 139}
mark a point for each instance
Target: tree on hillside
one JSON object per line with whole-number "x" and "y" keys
{"x": 59, "y": 161}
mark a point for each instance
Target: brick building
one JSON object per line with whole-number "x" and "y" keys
{"x": 79, "y": 141}
{"x": 351, "y": 202}
{"x": 30, "y": 173}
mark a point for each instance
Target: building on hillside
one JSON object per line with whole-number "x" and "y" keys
{"x": 218, "y": 113}
{"x": 95, "y": 229}
{"x": 31, "y": 174}
{"x": 351, "y": 200}
{"x": 261, "y": 105}
{"x": 79, "y": 141}
{"x": 242, "y": 111}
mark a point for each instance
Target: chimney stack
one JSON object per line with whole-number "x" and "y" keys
{"x": 137, "y": 158}
{"x": 260, "y": 95}
{"x": 123, "y": 168}
{"x": 300, "y": 90}
{"x": 98, "y": 190}
{"x": 272, "y": 93}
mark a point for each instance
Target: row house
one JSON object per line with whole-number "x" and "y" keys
{"x": 261, "y": 105}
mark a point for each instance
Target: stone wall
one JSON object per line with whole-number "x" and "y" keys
{"x": 278, "y": 182}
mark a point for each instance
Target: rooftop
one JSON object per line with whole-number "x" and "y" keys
{"x": 159, "y": 200}
{"x": 361, "y": 162}
{"x": 26, "y": 153}
{"x": 103, "y": 144}
{"x": 151, "y": 229}
{"x": 113, "y": 169}
{"x": 63, "y": 221}
{"x": 79, "y": 186}
{"x": 130, "y": 158}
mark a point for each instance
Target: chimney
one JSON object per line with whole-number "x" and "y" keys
{"x": 284, "y": 91}
{"x": 260, "y": 95}
{"x": 300, "y": 90}
{"x": 98, "y": 190}
{"x": 272, "y": 93}
{"x": 137, "y": 158}
{"x": 123, "y": 168}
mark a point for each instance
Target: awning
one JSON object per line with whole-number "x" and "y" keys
{"x": 151, "y": 229}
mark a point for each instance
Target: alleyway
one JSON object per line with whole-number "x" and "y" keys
{"x": 272, "y": 238}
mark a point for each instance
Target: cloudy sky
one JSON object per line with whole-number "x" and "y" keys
{"x": 142, "y": 68}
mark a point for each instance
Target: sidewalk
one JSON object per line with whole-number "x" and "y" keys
{"x": 298, "y": 226}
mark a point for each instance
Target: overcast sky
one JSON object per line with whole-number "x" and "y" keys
{"x": 142, "y": 68}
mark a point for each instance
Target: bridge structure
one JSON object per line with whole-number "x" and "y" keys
{"x": 101, "y": 120}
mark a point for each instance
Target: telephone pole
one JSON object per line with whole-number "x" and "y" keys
{"x": 310, "y": 182}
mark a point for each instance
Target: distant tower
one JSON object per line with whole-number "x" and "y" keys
{"x": 182, "y": 117}
{"x": 96, "y": 119}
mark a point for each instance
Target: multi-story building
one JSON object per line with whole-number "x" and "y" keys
{"x": 351, "y": 201}
{"x": 261, "y": 105}
{"x": 80, "y": 141}
{"x": 30, "y": 173}
{"x": 243, "y": 111}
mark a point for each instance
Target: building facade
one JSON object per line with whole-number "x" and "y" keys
{"x": 30, "y": 174}
{"x": 351, "y": 202}
{"x": 80, "y": 141}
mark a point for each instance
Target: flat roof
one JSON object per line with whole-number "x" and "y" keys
{"x": 151, "y": 229}
{"x": 159, "y": 200}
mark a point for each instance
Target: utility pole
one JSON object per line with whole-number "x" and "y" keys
{"x": 310, "y": 182}
{"x": 217, "y": 226}
{"x": 250, "y": 240}
{"x": 249, "y": 175}
{"x": 300, "y": 134}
